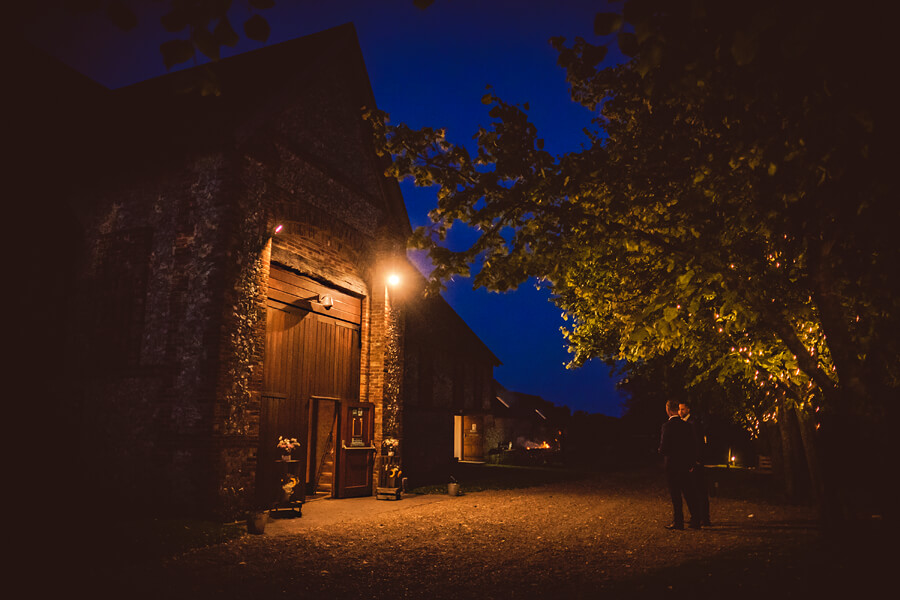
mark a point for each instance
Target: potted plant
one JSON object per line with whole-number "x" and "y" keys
{"x": 390, "y": 482}
{"x": 389, "y": 446}
{"x": 287, "y": 445}
{"x": 257, "y": 519}
{"x": 288, "y": 483}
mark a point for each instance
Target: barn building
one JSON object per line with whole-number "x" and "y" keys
{"x": 224, "y": 242}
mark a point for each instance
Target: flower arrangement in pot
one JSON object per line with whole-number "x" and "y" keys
{"x": 389, "y": 445}
{"x": 287, "y": 445}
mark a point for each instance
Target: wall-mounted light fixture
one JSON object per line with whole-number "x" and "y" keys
{"x": 325, "y": 301}
{"x": 277, "y": 229}
{"x": 393, "y": 280}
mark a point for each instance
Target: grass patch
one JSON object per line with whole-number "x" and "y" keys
{"x": 482, "y": 477}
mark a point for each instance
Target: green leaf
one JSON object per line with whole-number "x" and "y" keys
{"x": 176, "y": 52}
{"x": 257, "y": 28}
{"x": 638, "y": 335}
{"x": 635, "y": 11}
{"x": 695, "y": 306}
{"x": 593, "y": 55}
{"x": 206, "y": 43}
{"x": 628, "y": 43}
{"x": 225, "y": 34}
{"x": 685, "y": 278}
{"x": 607, "y": 23}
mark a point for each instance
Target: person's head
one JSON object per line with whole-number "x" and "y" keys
{"x": 684, "y": 410}
{"x": 672, "y": 408}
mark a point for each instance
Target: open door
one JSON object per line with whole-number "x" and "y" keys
{"x": 473, "y": 438}
{"x": 356, "y": 455}
{"x": 323, "y": 437}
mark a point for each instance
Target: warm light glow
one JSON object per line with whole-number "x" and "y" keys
{"x": 537, "y": 446}
{"x": 393, "y": 279}
{"x": 278, "y": 228}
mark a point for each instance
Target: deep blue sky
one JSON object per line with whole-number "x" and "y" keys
{"x": 427, "y": 68}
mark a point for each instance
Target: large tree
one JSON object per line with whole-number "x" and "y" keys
{"x": 734, "y": 204}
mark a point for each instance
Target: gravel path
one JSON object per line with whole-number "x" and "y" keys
{"x": 596, "y": 538}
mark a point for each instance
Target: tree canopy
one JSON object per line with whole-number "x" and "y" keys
{"x": 733, "y": 206}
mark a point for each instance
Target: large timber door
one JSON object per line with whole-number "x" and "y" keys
{"x": 357, "y": 453}
{"x": 312, "y": 353}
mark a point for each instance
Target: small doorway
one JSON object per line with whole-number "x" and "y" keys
{"x": 468, "y": 438}
{"x": 356, "y": 455}
{"x": 323, "y": 439}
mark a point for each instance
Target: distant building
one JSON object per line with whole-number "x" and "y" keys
{"x": 524, "y": 421}
{"x": 449, "y": 387}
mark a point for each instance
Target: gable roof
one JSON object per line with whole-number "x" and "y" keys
{"x": 526, "y": 406}
{"x": 444, "y": 324}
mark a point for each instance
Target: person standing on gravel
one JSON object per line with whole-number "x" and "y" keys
{"x": 679, "y": 450}
{"x": 698, "y": 473}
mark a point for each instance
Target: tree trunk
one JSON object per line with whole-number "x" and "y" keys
{"x": 787, "y": 455}
{"x": 808, "y": 437}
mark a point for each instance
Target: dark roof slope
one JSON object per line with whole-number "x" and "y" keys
{"x": 443, "y": 323}
{"x": 220, "y": 104}
{"x": 522, "y": 405}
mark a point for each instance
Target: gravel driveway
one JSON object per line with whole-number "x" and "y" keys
{"x": 594, "y": 538}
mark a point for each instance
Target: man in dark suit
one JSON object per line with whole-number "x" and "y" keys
{"x": 679, "y": 449}
{"x": 698, "y": 473}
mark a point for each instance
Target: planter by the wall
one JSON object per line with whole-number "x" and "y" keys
{"x": 256, "y": 521}
{"x": 453, "y": 489}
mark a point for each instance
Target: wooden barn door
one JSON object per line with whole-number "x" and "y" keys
{"x": 311, "y": 368}
{"x": 285, "y": 384}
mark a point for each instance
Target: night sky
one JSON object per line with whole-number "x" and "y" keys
{"x": 427, "y": 68}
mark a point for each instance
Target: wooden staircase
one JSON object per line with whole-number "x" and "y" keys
{"x": 325, "y": 474}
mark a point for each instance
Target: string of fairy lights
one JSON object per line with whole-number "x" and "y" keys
{"x": 774, "y": 373}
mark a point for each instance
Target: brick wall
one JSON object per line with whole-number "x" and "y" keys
{"x": 168, "y": 373}
{"x": 145, "y": 422}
